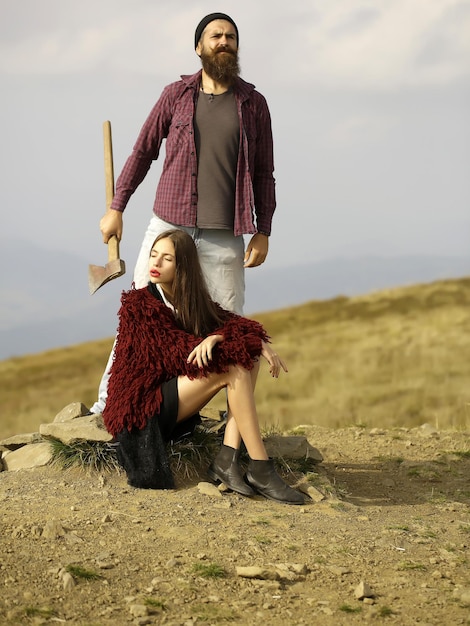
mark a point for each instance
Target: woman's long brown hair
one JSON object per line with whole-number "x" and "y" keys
{"x": 197, "y": 313}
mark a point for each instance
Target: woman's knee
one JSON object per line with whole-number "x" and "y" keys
{"x": 236, "y": 371}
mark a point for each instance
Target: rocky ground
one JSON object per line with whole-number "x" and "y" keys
{"x": 389, "y": 543}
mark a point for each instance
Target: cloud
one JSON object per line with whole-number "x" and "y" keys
{"x": 387, "y": 45}
{"x": 360, "y": 44}
{"x": 116, "y": 36}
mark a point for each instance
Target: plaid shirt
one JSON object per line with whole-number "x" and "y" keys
{"x": 176, "y": 198}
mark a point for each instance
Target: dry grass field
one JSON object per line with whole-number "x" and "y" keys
{"x": 393, "y": 358}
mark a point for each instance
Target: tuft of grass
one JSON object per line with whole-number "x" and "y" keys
{"x": 463, "y": 454}
{"x": 88, "y": 455}
{"x": 154, "y": 603}
{"x": 302, "y": 466}
{"x": 190, "y": 455}
{"x": 80, "y": 572}
{"x": 398, "y": 460}
{"x": 428, "y": 534}
{"x": 187, "y": 456}
{"x": 338, "y": 506}
{"x": 42, "y": 612}
{"x": 410, "y": 565}
{"x": 385, "y": 611}
{"x": 347, "y": 608}
{"x": 262, "y": 539}
{"x": 298, "y": 431}
{"x": 209, "y": 570}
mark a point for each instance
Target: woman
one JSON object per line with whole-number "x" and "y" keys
{"x": 176, "y": 349}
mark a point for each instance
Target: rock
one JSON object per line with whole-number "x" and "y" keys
{"x": 138, "y": 610}
{"x": 34, "y": 455}
{"x": 208, "y": 489}
{"x": 463, "y": 595}
{"x": 261, "y": 573}
{"x": 298, "y": 568}
{"x": 70, "y": 412}
{"x": 293, "y": 447}
{"x": 87, "y": 428}
{"x": 377, "y": 431}
{"x": 18, "y": 441}
{"x": 290, "y": 571}
{"x": 104, "y": 564}
{"x": 53, "y": 529}
{"x": 310, "y": 491}
{"x": 68, "y": 582}
{"x": 363, "y": 591}
{"x": 426, "y": 430}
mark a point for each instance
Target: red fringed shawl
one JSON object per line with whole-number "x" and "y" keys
{"x": 151, "y": 349}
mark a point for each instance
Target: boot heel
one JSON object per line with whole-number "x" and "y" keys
{"x": 264, "y": 479}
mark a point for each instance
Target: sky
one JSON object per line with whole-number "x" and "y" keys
{"x": 369, "y": 99}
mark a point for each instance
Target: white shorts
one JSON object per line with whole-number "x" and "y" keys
{"x": 221, "y": 256}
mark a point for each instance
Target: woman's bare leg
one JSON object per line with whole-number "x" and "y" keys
{"x": 261, "y": 475}
{"x": 232, "y": 435}
{"x": 194, "y": 394}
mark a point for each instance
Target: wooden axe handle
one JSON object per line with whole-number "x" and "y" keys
{"x": 113, "y": 243}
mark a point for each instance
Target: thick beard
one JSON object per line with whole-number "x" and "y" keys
{"x": 223, "y": 68}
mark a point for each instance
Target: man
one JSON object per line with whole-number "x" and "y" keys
{"x": 218, "y": 170}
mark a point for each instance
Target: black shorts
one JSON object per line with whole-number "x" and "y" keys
{"x": 168, "y": 409}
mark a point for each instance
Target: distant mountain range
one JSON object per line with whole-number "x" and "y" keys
{"x": 45, "y": 302}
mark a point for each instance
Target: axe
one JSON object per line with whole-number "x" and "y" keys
{"x": 97, "y": 274}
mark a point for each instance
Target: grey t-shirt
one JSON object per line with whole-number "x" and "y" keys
{"x": 217, "y": 136}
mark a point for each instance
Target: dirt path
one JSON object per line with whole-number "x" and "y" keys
{"x": 396, "y": 518}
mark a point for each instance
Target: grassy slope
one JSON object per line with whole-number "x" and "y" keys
{"x": 392, "y": 358}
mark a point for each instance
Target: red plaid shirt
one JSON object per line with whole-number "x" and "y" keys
{"x": 176, "y": 198}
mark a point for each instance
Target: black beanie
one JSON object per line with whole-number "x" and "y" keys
{"x": 207, "y": 20}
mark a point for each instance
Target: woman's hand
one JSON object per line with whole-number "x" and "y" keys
{"x": 274, "y": 360}
{"x": 202, "y": 353}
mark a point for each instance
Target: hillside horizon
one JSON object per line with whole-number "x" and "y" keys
{"x": 56, "y": 310}
{"x": 395, "y": 358}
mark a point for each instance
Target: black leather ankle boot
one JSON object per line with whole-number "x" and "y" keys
{"x": 225, "y": 469}
{"x": 264, "y": 479}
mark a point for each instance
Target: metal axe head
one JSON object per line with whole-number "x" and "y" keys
{"x": 99, "y": 275}
{"x": 115, "y": 267}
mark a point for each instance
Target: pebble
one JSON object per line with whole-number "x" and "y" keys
{"x": 208, "y": 489}
{"x": 363, "y": 591}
